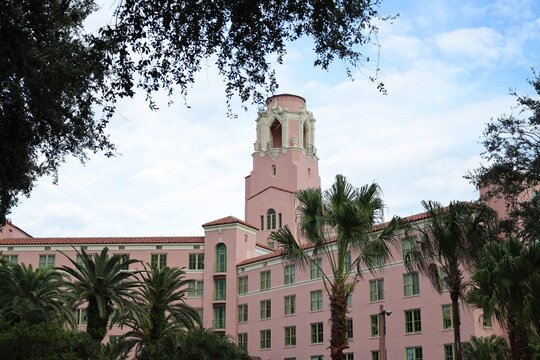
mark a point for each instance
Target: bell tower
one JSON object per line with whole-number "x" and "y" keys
{"x": 284, "y": 161}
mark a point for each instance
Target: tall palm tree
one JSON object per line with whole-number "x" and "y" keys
{"x": 486, "y": 348}
{"x": 447, "y": 244}
{"x": 33, "y": 296}
{"x": 100, "y": 281}
{"x": 336, "y": 223}
{"x": 506, "y": 285}
{"x": 160, "y": 309}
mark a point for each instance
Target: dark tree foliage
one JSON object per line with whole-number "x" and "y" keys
{"x": 49, "y": 82}
{"x": 52, "y": 74}
{"x": 512, "y": 153}
{"x": 161, "y": 43}
{"x": 44, "y": 341}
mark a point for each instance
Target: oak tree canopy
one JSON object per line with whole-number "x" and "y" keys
{"x": 59, "y": 84}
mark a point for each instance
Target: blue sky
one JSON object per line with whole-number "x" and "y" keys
{"x": 447, "y": 65}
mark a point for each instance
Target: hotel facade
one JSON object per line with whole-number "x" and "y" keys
{"x": 242, "y": 287}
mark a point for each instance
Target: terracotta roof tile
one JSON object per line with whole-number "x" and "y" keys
{"x": 104, "y": 240}
{"x": 266, "y": 247}
{"x": 229, "y": 220}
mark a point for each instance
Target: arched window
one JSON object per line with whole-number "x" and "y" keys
{"x": 221, "y": 258}
{"x": 305, "y": 137}
{"x": 271, "y": 219}
{"x": 274, "y": 170}
{"x": 275, "y": 131}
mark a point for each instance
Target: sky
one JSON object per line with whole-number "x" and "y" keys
{"x": 448, "y": 67}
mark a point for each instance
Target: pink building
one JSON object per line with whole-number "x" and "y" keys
{"x": 240, "y": 284}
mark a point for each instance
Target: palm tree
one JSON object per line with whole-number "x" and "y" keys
{"x": 448, "y": 244}
{"x": 334, "y": 223}
{"x": 100, "y": 281}
{"x": 486, "y": 348}
{"x": 33, "y": 296}
{"x": 160, "y": 310}
{"x": 506, "y": 285}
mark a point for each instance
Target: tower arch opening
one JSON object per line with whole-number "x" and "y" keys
{"x": 276, "y": 134}
{"x": 304, "y": 136}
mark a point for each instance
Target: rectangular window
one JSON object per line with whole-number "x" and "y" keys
{"x": 11, "y": 259}
{"x": 411, "y": 284}
{"x": 262, "y": 222}
{"x": 317, "y": 357}
{"x": 443, "y": 279}
{"x": 242, "y": 285}
{"x": 375, "y": 325}
{"x": 447, "y": 316}
{"x": 195, "y": 288}
{"x": 243, "y": 341}
{"x": 196, "y": 261}
{"x": 159, "y": 260}
{"x": 81, "y": 316}
{"x": 280, "y": 220}
{"x": 289, "y": 358}
{"x": 350, "y": 331}
{"x": 315, "y": 269}
{"x": 348, "y": 261}
{"x": 317, "y": 335}
{"x": 219, "y": 317}
{"x": 349, "y": 356}
{"x": 242, "y": 313}
{"x": 290, "y": 304}
{"x": 265, "y": 280}
{"x": 220, "y": 289}
{"x": 200, "y": 312}
{"x": 124, "y": 259}
{"x": 414, "y": 353}
{"x": 406, "y": 246}
{"x": 290, "y": 274}
{"x": 449, "y": 352}
{"x": 290, "y": 336}
{"x": 376, "y": 290}
{"x": 266, "y": 339}
{"x": 271, "y": 219}
{"x": 349, "y": 300}
{"x": 413, "y": 321}
{"x": 316, "y": 300}
{"x": 266, "y": 309}
{"x": 46, "y": 261}
{"x": 375, "y": 355}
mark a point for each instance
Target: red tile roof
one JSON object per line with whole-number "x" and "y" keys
{"x": 104, "y": 240}
{"x": 266, "y": 247}
{"x": 229, "y": 220}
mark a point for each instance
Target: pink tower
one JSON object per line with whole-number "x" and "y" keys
{"x": 285, "y": 160}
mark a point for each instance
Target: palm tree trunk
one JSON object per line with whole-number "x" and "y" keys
{"x": 456, "y": 322}
{"x": 338, "y": 321}
{"x": 96, "y": 326}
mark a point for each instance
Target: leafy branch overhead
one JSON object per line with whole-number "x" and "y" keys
{"x": 60, "y": 85}
{"x": 512, "y": 168}
{"x": 161, "y": 44}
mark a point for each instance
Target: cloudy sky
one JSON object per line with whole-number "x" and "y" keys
{"x": 447, "y": 65}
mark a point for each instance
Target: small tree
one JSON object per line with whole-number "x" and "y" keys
{"x": 160, "y": 311}
{"x": 100, "y": 281}
{"x": 337, "y": 224}
{"x": 33, "y": 296}
{"x": 507, "y": 285}
{"x": 449, "y": 242}
{"x": 486, "y": 348}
